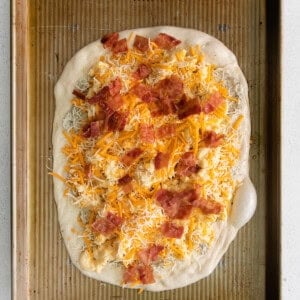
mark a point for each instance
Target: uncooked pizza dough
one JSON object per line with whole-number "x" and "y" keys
{"x": 244, "y": 203}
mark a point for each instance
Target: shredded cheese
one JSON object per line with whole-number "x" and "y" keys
{"x": 94, "y": 164}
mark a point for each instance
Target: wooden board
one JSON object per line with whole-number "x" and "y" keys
{"x": 46, "y": 34}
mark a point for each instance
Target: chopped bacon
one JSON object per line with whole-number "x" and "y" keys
{"x": 131, "y": 156}
{"x": 146, "y": 256}
{"x": 115, "y": 102}
{"x": 143, "y": 71}
{"x": 168, "y": 202}
{"x": 78, "y": 94}
{"x": 192, "y": 107}
{"x": 115, "y": 86}
{"x": 146, "y": 274}
{"x": 147, "y": 133}
{"x": 92, "y": 129}
{"x": 177, "y": 205}
{"x": 187, "y": 165}
{"x": 115, "y": 219}
{"x": 131, "y": 274}
{"x": 168, "y": 91}
{"x": 214, "y": 101}
{"x": 212, "y": 139}
{"x": 138, "y": 273}
{"x": 95, "y": 128}
{"x": 109, "y": 39}
{"x": 181, "y": 104}
{"x": 165, "y": 106}
{"x": 108, "y": 224}
{"x": 112, "y": 89}
{"x": 167, "y": 130}
{"x": 144, "y": 92}
{"x": 86, "y": 131}
{"x": 102, "y": 95}
{"x": 208, "y": 206}
{"x": 171, "y": 230}
{"x": 170, "y": 87}
{"x": 166, "y": 41}
{"x": 88, "y": 171}
{"x": 116, "y": 121}
{"x": 124, "y": 180}
{"x": 120, "y": 46}
{"x": 161, "y": 160}
{"x": 141, "y": 43}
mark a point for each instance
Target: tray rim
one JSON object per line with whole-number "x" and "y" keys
{"x": 19, "y": 111}
{"x": 20, "y": 154}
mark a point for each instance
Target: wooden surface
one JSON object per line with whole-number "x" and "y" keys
{"x": 55, "y": 31}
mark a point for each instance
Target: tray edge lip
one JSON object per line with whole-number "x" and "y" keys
{"x": 19, "y": 141}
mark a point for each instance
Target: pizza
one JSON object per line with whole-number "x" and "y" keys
{"x": 151, "y": 141}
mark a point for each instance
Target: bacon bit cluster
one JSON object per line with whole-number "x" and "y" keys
{"x": 142, "y": 270}
{"x": 164, "y": 98}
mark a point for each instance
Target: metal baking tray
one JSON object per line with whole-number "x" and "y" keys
{"x": 46, "y": 34}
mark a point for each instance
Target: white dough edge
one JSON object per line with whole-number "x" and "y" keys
{"x": 198, "y": 266}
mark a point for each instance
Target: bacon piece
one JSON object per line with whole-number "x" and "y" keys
{"x": 192, "y": 107}
{"x": 167, "y": 130}
{"x": 138, "y": 273}
{"x": 187, "y": 165}
{"x": 170, "y": 87}
{"x": 166, "y": 41}
{"x": 114, "y": 219}
{"x": 144, "y": 92}
{"x": 107, "y": 91}
{"x": 212, "y": 139}
{"x": 102, "y": 95}
{"x": 146, "y": 274}
{"x": 167, "y": 91}
{"x": 177, "y": 205}
{"x": 115, "y": 102}
{"x": 86, "y": 131}
{"x": 116, "y": 121}
{"x": 88, "y": 171}
{"x": 131, "y": 156}
{"x": 109, "y": 39}
{"x": 161, "y": 160}
{"x": 171, "y": 230}
{"x": 141, "y": 43}
{"x": 124, "y": 180}
{"x": 168, "y": 202}
{"x": 147, "y": 133}
{"x": 165, "y": 106}
{"x": 108, "y": 224}
{"x": 143, "y": 71}
{"x": 95, "y": 128}
{"x": 131, "y": 274}
{"x": 208, "y": 206}
{"x": 120, "y": 46}
{"x": 214, "y": 101}
{"x": 78, "y": 94}
{"x": 115, "y": 86}
{"x": 92, "y": 129}
{"x": 146, "y": 256}
{"x": 181, "y": 104}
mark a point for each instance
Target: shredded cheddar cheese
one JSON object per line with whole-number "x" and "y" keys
{"x": 94, "y": 165}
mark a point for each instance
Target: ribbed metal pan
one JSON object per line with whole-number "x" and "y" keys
{"x": 46, "y": 34}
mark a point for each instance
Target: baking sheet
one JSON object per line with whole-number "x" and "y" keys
{"x": 46, "y": 34}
